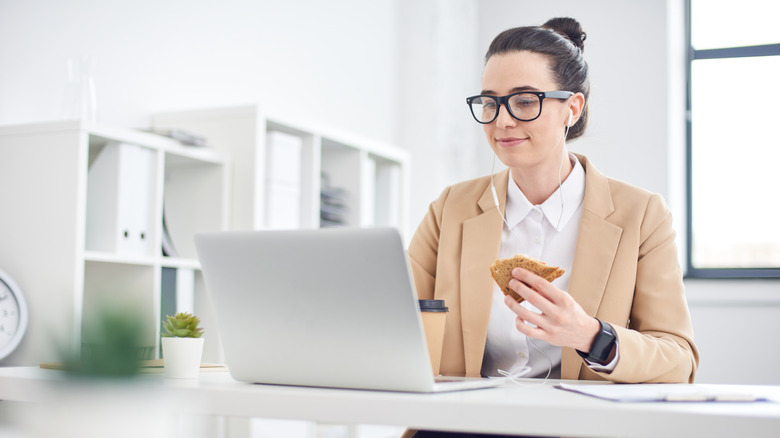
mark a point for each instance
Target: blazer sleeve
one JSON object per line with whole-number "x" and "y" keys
{"x": 424, "y": 249}
{"x": 657, "y": 344}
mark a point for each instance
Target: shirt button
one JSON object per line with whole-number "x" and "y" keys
{"x": 538, "y": 240}
{"x": 521, "y": 355}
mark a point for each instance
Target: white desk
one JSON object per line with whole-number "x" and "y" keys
{"x": 537, "y": 409}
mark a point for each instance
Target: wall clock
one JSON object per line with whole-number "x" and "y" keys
{"x": 13, "y": 315}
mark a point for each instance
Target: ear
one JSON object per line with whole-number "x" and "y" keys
{"x": 576, "y": 105}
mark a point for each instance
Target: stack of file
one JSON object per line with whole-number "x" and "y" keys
{"x": 334, "y": 204}
{"x": 184, "y": 137}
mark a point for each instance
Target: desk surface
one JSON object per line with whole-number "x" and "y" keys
{"x": 533, "y": 408}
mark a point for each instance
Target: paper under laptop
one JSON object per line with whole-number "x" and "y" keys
{"x": 324, "y": 307}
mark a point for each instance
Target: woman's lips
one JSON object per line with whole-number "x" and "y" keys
{"x": 509, "y": 141}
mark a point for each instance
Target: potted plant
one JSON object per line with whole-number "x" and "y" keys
{"x": 182, "y": 346}
{"x": 113, "y": 344}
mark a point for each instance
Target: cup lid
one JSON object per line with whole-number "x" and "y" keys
{"x": 433, "y": 306}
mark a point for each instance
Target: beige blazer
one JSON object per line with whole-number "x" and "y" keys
{"x": 625, "y": 272}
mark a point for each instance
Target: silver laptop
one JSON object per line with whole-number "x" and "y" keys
{"x": 327, "y": 307}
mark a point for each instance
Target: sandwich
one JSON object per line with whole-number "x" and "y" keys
{"x": 501, "y": 270}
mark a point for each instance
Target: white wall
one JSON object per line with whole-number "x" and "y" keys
{"x": 439, "y": 67}
{"x": 736, "y": 323}
{"x": 334, "y": 62}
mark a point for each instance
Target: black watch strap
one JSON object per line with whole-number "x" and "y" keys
{"x": 602, "y": 345}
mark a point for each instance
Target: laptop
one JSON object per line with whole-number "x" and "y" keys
{"x": 332, "y": 307}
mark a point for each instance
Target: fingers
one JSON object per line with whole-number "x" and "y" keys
{"x": 547, "y": 298}
{"x": 528, "y": 278}
{"x": 524, "y": 313}
{"x": 536, "y": 283}
{"x": 536, "y": 290}
{"x": 562, "y": 320}
{"x": 527, "y": 316}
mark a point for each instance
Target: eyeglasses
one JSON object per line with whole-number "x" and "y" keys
{"x": 524, "y": 106}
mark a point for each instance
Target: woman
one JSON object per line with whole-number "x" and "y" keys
{"x": 619, "y": 312}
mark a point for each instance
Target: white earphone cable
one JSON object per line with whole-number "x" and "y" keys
{"x": 560, "y": 180}
{"x": 514, "y": 374}
{"x": 560, "y": 183}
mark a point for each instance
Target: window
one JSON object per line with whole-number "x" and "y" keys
{"x": 734, "y": 139}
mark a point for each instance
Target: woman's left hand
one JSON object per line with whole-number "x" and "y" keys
{"x": 562, "y": 322}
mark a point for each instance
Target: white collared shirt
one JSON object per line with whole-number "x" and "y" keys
{"x": 547, "y": 232}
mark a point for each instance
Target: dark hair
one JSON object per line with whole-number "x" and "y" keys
{"x": 561, "y": 40}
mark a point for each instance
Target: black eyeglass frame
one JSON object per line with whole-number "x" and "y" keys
{"x": 563, "y": 95}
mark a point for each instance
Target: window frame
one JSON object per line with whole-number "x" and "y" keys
{"x": 694, "y": 55}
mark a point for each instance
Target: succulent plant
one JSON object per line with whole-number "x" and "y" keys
{"x": 182, "y": 325}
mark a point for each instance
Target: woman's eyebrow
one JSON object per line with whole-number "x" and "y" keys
{"x": 524, "y": 88}
{"x": 513, "y": 90}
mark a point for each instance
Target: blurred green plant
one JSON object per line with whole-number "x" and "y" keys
{"x": 182, "y": 325}
{"x": 112, "y": 345}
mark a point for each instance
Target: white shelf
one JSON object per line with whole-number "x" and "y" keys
{"x": 45, "y": 247}
{"x": 165, "y": 262}
{"x": 175, "y": 262}
{"x": 107, "y": 257}
{"x": 373, "y": 174}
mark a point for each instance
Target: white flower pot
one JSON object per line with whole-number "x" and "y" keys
{"x": 181, "y": 357}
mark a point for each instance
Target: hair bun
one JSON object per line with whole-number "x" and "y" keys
{"x": 568, "y": 27}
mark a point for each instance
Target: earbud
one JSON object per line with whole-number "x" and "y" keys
{"x": 571, "y": 115}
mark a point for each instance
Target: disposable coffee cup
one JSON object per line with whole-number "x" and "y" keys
{"x": 434, "y": 317}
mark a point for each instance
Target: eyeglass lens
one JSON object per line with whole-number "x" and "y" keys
{"x": 523, "y": 106}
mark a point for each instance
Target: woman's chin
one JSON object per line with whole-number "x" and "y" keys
{"x": 516, "y": 159}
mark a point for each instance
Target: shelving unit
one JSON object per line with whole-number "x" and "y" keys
{"x": 373, "y": 175}
{"x": 50, "y": 200}
{"x": 44, "y": 181}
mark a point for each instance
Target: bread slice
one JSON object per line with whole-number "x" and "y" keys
{"x": 501, "y": 270}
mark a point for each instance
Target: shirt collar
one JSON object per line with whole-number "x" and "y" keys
{"x": 518, "y": 207}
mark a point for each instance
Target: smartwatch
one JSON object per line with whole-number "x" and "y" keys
{"x": 602, "y": 345}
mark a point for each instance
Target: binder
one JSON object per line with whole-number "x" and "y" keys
{"x": 120, "y": 200}
{"x": 387, "y": 192}
{"x": 283, "y": 207}
{"x": 283, "y": 180}
{"x": 177, "y": 292}
{"x": 283, "y": 164}
{"x": 185, "y": 290}
{"x": 167, "y": 293}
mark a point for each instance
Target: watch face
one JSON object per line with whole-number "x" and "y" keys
{"x": 13, "y": 316}
{"x": 9, "y": 315}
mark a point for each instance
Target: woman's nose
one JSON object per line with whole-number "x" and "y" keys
{"x": 504, "y": 119}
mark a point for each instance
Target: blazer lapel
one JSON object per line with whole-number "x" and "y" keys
{"x": 482, "y": 239}
{"x": 597, "y": 244}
